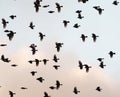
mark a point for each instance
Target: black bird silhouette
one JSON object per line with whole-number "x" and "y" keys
{"x": 111, "y": 53}
{"x": 98, "y": 9}
{"x": 33, "y": 46}
{"x": 80, "y": 64}
{"x": 79, "y": 14}
{"x": 83, "y": 1}
{"x": 56, "y": 66}
{"x": 14, "y": 65}
{"x": 33, "y": 73}
{"x": 45, "y": 6}
{"x": 11, "y": 93}
{"x": 98, "y": 89}
{"x": 102, "y": 64}
{"x": 52, "y": 87}
{"x": 83, "y": 37}
{"x": 34, "y": 51}
{"x": 5, "y": 59}
{"x": 41, "y": 35}
{"x": 3, "y": 44}
{"x": 58, "y": 84}
{"x": 100, "y": 59}
{"x": 45, "y": 61}
{"x": 4, "y": 22}
{"x": 58, "y": 6}
{"x": 37, "y": 61}
{"x": 58, "y": 46}
{"x": 12, "y": 16}
{"x": 87, "y": 67}
{"x": 46, "y": 94}
{"x": 55, "y": 59}
{"x": 94, "y": 36}
{"x": 76, "y": 25}
{"x": 75, "y": 90}
{"x": 40, "y": 79}
{"x": 51, "y": 11}
{"x": 37, "y": 5}
{"x": 115, "y": 2}
{"x": 11, "y": 34}
{"x": 65, "y": 22}
{"x": 31, "y": 25}
{"x": 24, "y": 88}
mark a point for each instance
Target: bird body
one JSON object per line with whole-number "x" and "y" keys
{"x": 5, "y": 59}
{"x": 58, "y": 84}
{"x": 11, "y": 93}
{"x": 33, "y": 73}
{"x": 98, "y": 9}
{"x": 58, "y": 46}
{"x": 83, "y": 37}
{"x": 80, "y": 64}
{"x": 94, "y": 36}
{"x": 31, "y": 25}
{"x": 75, "y": 90}
{"x": 76, "y": 25}
{"x": 58, "y": 6}
{"x": 41, "y": 35}
{"x": 56, "y": 66}
{"x": 111, "y": 53}
{"x": 12, "y": 16}
{"x": 4, "y": 22}
{"x": 115, "y": 2}
{"x": 40, "y": 79}
{"x": 65, "y": 22}
{"x": 98, "y": 89}
{"x": 102, "y": 65}
{"x": 87, "y": 67}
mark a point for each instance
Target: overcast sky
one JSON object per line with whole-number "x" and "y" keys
{"x": 106, "y": 26}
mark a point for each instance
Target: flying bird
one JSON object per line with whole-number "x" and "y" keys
{"x": 45, "y": 61}
{"x": 83, "y": 1}
{"x": 87, "y": 67}
{"x": 45, "y": 6}
{"x": 24, "y": 88}
{"x": 14, "y": 65}
{"x": 55, "y": 59}
{"x": 5, "y": 59}
{"x": 11, "y": 34}
{"x": 4, "y": 23}
{"x": 111, "y": 53}
{"x": 12, "y": 16}
{"x": 33, "y": 47}
{"x": 65, "y": 22}
{"x": 37, "y": 5}
{"x": 51, "y": 11}
{"x": 94, "y": 36}
{"x": 75, "y": 90}
{"x": 79, "y": 14}
{"x": 40, "y": 79}
{"x": 98, "y": 89}
{"x": 80, "y": 64}
{"x": 56, "y": 66}
{"x": 83, "y": 37}
{"x": 11, "y": 93}
{"x": 31, "y": 25}
{"x": 102, "y": 64}
{"x": 58, "y": 46}
{"x": 3, "y": 44}
{"x": 100, "y": 59}
{"x": 115, "y": 2}
{"x": 98, "y": 9}
{"x": 33, "y": 73}
{"x": 46, "y": 94}
{"x": 52, "y": 87}
{"x": 41, "y": 35}
{"x": 58, "y": 84}
{"x": 76, "y": 25}
{"x": 58, "y": 6}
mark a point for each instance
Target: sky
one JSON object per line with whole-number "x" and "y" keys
{"x": 106, "y": 26}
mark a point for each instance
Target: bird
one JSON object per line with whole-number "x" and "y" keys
{"x": 40, "y": 79}
{"x": 52, "y": 87}
{"x": 98, "y": 89}
{"x": 24, "y": 88}
{"x": 76, "y": 25}
{"x": 75, "y": 90}
{"x": 98, "y": 9}
{"x": 14, "y": 65}
{"x": 51, "y": 11}
{"x": 45, "y": 61}
{"x": 79, "y": 14}
{"x": 5, "y": 59}
{"x": 87, "y": 67}
{"x": 34, "y": 51}
{"x": 41, "y": 35}
{"x": 102, "y": 64}
{"x": 100, "y": 59}
{"x": 111, "y": 53}
{"x": 94, "y": 36}
{"x": 55, "y": 59}
{"x": 83, "y": 37}
{"x": 33, "y": 73}
{"x": 56, "y": 66}
{"x": 65, "y": 22}
{"x": 115, "y": 2}
{"x": 58, "y": 46}
{"x": 11, "y": 34}
{"x": 58, "y": 6}
{"x": 4, "y": 22}
{"x": 83, "y": 1}
{"x": 31, "y": 25}
{"x": 80, "y": 64}
{"x": 3, "y": 44}
{"x": 33, "y": 47}
{"x": 37, "y": 5}
{"x": 45, "y": 6}
{"x": 46, "y": 94}
{"x": 37, "y": 61}
{"x": 30, "y": 61}
{"x": 11, "y": 93}
{"x": 58, "y": 84}
{"x": 12, "y": 16}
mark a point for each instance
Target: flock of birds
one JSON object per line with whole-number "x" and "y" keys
{"x": 37, "y": 4}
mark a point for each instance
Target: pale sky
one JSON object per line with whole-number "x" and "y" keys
{"x": 106, "y": 26}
